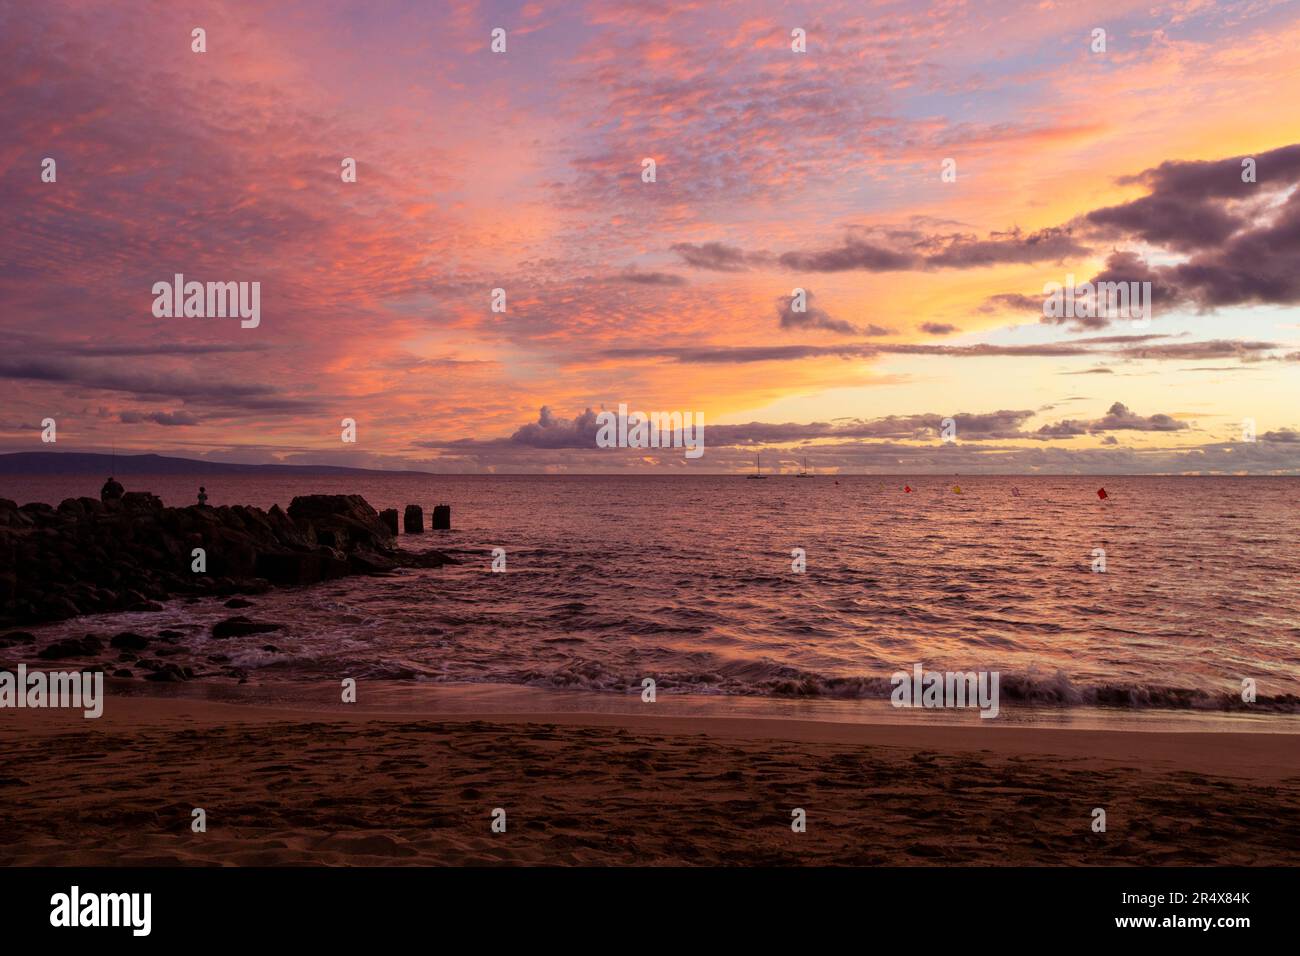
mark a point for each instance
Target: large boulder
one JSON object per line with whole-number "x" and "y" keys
{"x": 240, "y": 626}
{"x": 141, "y": 501}
{"x": 290, "y": 567}
{"x": 346, "y": 519}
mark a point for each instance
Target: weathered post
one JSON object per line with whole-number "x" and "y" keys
{"x": 442, "y": 517}
{"x": 414, "y": 519}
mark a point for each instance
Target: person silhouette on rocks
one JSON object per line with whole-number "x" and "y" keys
{"x": 112, "y": 491}
{"x": 203, "y": 496}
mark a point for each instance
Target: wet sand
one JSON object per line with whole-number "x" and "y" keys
{"x": 294, "y": 781}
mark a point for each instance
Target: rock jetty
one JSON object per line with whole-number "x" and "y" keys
{"x": 89, "y": 556}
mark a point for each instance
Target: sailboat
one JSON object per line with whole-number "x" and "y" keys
{"x": 804, "y": 473}
{"x": 758, "y": 469}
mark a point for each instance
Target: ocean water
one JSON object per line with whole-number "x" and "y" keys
{"x": 689, "y": 580}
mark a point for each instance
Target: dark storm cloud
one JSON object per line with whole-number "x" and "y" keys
{"x": 1220, "y": 178}
{"x": 158, "y": 418}
{"x": 967, "y": 252}
{"x": 1117, "y": 418}
{"x": 717, "y": 256}
{"x": 816, "y": 318}
{"x": 1168, "y": 221}
{"x": 1120, "y": 418}
{"x": 919, "y": 427}
{"x": 1257, "y": 266}
{"x": 145, "y": 348}
{"x": 650, "y": 278}
{"x": 1215, "y": 348}
{"x": 897, "y": 251}
{"x": 1196, "y": 205}
{"x": 119, "y": 377}
{"x": 1096, "y": 346}
{"x": 1242, "y": 240}
{"x": 1013, "y": 302}
{"x": 896, "y": 443}
{"x": 1063, "y": 429}
{"x": 853, "y": 254}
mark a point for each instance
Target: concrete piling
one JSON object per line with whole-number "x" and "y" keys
{"x": 414, "y": 519}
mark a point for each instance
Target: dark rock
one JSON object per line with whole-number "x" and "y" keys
{"x": 348, "y": 515}
{"x": 72, "y": 506}
{"x": 61, "y": 608}
{"x": 240, "y": 626}
{"x": 167, "y": 673}
{"x": 291, "y": 567}
{"x": 69, "y": 647}
{"x": 424, "y": 559}
{"x": 368, "y": 562}
{"x": 123, "y": 672}
{"x": 141, "y": 501}
{"x": 389, "y": 517}
{"x": 170, "y": 635}
{"x": 270, "y": 648}
{"x": 236, "y": 603}
{"x": 129, "y": 641}
{"x": 334, "y": 564}
{"x": 88, "y": 556}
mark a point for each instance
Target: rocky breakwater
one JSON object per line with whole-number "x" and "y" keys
{"x": 89, "y": 556}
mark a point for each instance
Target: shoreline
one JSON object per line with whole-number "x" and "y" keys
{"x": 1245, "y": 752}
{"x": 283, "y": 782}
{"x": 436, "y": 698}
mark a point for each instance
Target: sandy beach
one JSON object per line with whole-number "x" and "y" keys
{"x": 296, "y": 780}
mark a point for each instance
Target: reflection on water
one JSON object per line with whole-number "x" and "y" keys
{"x": 689, "y": 581}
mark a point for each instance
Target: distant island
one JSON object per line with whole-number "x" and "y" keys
{"x": 80, "y": 463}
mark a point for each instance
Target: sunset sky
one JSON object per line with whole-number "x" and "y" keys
{"x": 775, "y": 170}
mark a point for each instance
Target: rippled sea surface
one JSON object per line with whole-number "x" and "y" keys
{"x": 689, "y": 580}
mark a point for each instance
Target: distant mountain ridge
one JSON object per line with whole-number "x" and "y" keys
{"x": 80, "y": 463}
